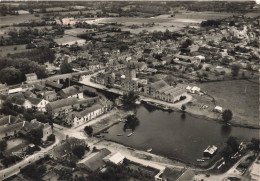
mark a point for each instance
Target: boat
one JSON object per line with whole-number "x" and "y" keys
{"x": 130, "y": 134}
{"x": 137, "y": 102}
{"x": 205, "y": 158}
{"x": 149, "y": 150}
{"x": 105, "y": 131}
{"x": 200, "y": 160}
{"x": 120, "y": 134}
{"x": 128, "y": 129}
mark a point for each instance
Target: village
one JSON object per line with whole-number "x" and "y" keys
{"x": 72, "y": 75}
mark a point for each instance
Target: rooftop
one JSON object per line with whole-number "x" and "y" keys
{"x": 62, "y": 103}
{"x": 95, "y": 161}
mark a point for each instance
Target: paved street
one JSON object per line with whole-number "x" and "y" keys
{"x": 230, "y": 173}
{"x": 14, "y": 169}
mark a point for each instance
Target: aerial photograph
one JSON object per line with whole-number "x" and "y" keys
{"x": 130, "y": 90}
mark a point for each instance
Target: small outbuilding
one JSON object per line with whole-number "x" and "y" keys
{"x": 195, "y": 90}
{"x": 210, "y": 151}
{"x": 218, "y": 109}
{"x": 116, "y": 158}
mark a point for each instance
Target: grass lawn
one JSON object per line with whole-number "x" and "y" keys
{"x": 241, "y": 96}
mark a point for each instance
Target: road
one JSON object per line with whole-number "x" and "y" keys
{"x": 232, "y": 172}
{"x": 14, "y": 169}
{"x": 86, "y": 81}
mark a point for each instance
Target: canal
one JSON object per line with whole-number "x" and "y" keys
{"x": 175, "y": 135}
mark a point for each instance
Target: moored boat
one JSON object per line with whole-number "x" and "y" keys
{"x": 200, "y": 160}
{"x": 149, "y": 150}
{"x": 130, "y": 134}
{"x": 120, "y": 134}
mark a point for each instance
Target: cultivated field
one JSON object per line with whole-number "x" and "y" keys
{"x": 241, "y": 96}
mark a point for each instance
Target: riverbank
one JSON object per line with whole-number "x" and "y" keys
{"x": 110, "y": 121}
{"x": 194, "y": 109}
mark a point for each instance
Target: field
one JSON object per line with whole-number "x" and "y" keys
{"x": 241, "y": 96}
{"x": 4, "y": 50}
{"x": 10, "y": 20}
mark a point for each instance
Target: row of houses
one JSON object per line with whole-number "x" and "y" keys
{"x": 127, "y": 81}
{"x": 12, "y": 126}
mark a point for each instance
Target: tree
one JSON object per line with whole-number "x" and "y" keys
{"x": 227, "y": 152}
{"x": 183, "y": 108}
{"x": 235, "y": 70}
{"x": 227, "y": 115}
{"x": 10, "y": 75}
{"x": 3, "y": 145}
{"x": 35, "y": 136}
{"x": 255, "y": 144}
{"x": 65, "y": 68}
{"x": 51, "y": 137}
{"x": 31, "y": 11}
{"x": 129, "y": 99}
{"x": 232, "y": 142}
{"x": 131, "y": 122}
{"x": 78, "y": 151}
{"x": 88, "y": 130}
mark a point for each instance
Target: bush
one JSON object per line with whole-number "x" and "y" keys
{"x": 88, "y": 130}
{"x": 51, "y": 137}
{"x": 207, "y": 69}
{"x": 78, "y": 151}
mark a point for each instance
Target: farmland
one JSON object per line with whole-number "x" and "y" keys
{"x": 241, "y": 96}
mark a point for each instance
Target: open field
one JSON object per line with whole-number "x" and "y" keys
{"x": 241, "y": 96}
{"x": 10, "y": 20}
{"x": 4, "y": 50}
{"x": 203, "y": 15}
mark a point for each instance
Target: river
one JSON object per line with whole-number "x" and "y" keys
{"x": 176, "y": 136}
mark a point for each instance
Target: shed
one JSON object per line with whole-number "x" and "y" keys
{"x": 218, "y": 109}
{"x": 210, "y": 151}
{"x": 116, "y": 158}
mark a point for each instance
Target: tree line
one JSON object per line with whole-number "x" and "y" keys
{"x": 12, "y": 71}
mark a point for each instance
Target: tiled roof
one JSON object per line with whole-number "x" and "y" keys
{"x": 28, "y": 94}
{"x": 62, "y": 103}
{"x": 159, "y": 84}
{"x": 38, "y": 87}
{"x": 69, "y": 91}
{"x": 186, "y": 176}
{"x": 96, "y": 161}
{"x": 53, "y": 84}
{"x": 88, "y": 110}
{"x": 171, "y": 174}
{"x": 34, "y": 101}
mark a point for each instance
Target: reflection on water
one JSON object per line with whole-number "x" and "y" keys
{"x": 226, "y": 130}
{"x": 183, "y": 116}
{"x": 175, "y": 134}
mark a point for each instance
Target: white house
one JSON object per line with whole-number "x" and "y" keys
{"x": 195, "y": 90}
{"x": 78, "y": 118}
{"x": 15, "y": 90}
{"x": 39, "y": 104}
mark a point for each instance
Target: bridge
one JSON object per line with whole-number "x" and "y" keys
{"x": 86, "y": 82}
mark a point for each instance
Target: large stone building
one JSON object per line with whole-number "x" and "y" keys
{"x": 162, "y": 91}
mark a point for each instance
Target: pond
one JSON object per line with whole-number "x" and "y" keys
{"x": 176, "y": 136}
